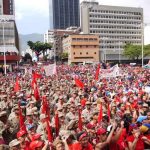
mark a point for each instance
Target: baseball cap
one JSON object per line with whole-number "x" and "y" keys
{"x": 101, "y": 131}
{"x": 21, "y": 133}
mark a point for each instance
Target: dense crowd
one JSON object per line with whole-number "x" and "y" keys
{"x": 73, "y": 110}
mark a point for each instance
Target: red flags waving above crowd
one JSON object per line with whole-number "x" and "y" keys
{"x": 36, "y": 93}
{"x": 108, "y": 112}
{"x": 79, "y": 83}
{"x": 35, "y": 76}
{"x": 57, "y": 124}
{"x": 21, "y": 119}
{"x": 17, "y": 85}
{"x": 80, "y": 121}
{"x": 97, "y": 72}
{"x": 49, "y": 132}
{"x": 100, "y": 114}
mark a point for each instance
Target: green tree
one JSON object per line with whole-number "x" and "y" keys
{"x": 27, "y": 58}
{"x": 64, "y": 55}
{"x": 134, "y": 52}
{"x": 39, "y": 47}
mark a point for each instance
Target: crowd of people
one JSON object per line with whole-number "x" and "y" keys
{"x": 75, "y": 109}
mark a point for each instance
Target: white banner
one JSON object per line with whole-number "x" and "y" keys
{"x": 50, "y": 69}
{"x": 110, "y": 73}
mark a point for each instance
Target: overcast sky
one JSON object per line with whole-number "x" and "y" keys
{"x": 33, "y": 15}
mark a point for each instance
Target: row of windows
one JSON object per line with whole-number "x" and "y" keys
{"x": 113, "y": 27}
{"x": 116, "y": 12}
{"x": 82, "y": 46}
{"x": 86, "y": 53}
{"x": 115, "y": 22}
{"x": 118, "y": 37}
{"x": 84, "y": 39}
{"x": 83, "y": 57}
{"x": 114, "y": 32}
{"x": 115, "y": 17}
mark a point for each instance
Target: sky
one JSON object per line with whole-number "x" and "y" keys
{"x": 32, "y": 16}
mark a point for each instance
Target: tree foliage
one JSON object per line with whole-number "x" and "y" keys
{"x": 27, "y": 57}
{"x": 39, "y": 47}
{"x": 134, "y": 52}
{"x": 64, "y": 55}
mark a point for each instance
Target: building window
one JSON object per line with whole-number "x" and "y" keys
{"x": 94, "y": 52}
{"x": 80, "y": 53}
{"x": 74, "y": 53}
{"x": 87, "y": 53}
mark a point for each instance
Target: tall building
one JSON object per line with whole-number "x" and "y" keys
{"x": 9, "y": 40}
{"x": 8, "y": 7}
{"x": 115, "y": 25}
{"x": 66, "y": 13}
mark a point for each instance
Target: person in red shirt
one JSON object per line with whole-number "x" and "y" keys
{"x": 136, "y": 140}
{"x": 21, "y": 136}
{"x": 83, "y": 143}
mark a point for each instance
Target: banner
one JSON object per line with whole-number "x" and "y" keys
{"x": 110, "y": 73}
{"x": 50, "y": 69}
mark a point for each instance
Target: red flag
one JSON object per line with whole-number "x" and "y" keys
{"x": 100, "y": 114}
{"x": 35, "y": 75}
{"x": 36, "y": 93}
{"x": 57, "y": 124}
{"x": 21, "y": 119}
{"x": 108, "y": 112}
{"x": 33, "y": 83}
{"x": 80, "y": 121}
{"x": 44, "y": 105}
{"x": 17, "y": 86}
{"x": 79, "y": 83}
{"x": 97, "y": 72}
{"x": 49, "y": 132}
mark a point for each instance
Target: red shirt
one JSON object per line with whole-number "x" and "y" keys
{"x": 77, "y": 146}
{"x": 139, "y": 144}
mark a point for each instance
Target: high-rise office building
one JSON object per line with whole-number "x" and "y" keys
{"x": 115, "y": 25}
{"x": 66, "y": 13}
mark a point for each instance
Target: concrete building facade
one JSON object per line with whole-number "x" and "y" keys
{"x": 9, "y": 39}
{"x": 65, "y": 13}
{"x": 55, "y": 37}
{"x": 81, "y": 48}
{"x": 115, "y": 25}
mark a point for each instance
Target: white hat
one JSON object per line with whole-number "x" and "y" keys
{"x": 3, "y": 113}
{"x": 42, "y": 116}
{"x": 29, "y": 113}
{"x": 13, "y": 143}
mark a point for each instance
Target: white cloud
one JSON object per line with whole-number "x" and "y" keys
{"x": 29, "y": 7}
{"x": 37, "y": 11}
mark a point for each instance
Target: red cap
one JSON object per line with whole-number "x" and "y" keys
{"x": 21, "y": 133}
{"x": 36, "y": 144}
{"x": 101, "y": 131}
{"x": 36, "y": 136}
